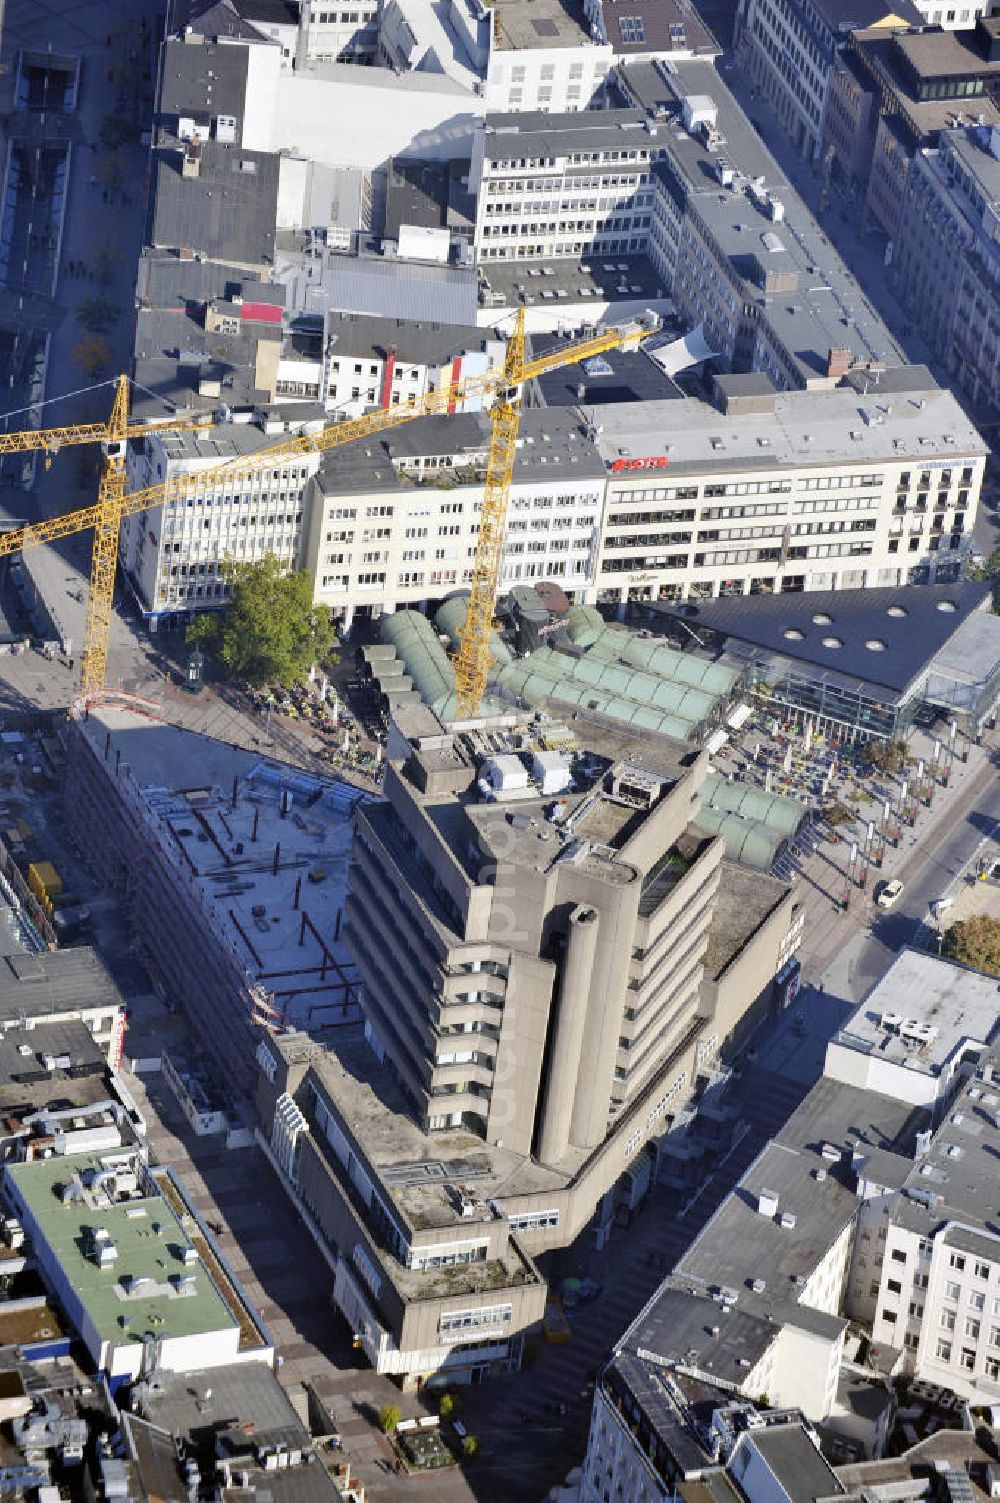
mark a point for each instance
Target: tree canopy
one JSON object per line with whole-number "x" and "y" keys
{"x": 271, "y": 632}
{"x": 975, "y": 942}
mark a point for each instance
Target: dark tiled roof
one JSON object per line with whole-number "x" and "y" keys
{"x": 912, "y": 622}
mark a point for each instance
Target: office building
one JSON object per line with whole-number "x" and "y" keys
{"x": 562, "y": 185}
{"x": 173, "y": 554}
{"x": 796, "y": 490}
{"x": 433, "y": 1281}
{"x": 535, "y": 1018}
{"x": 790, "y": 51}
{"x": 946, "y": 259}
{"x": 682, "y": 178}
{"x": 891, "y": 96}
{"x": 394, "y": 522}
{"x": 140, "y": 794}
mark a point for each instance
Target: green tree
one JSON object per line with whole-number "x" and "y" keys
{"x": 270, "y": 633}
{"x": 975, "y": 942}
{"x": 470, "y": 1447}
{"x": 97, "y": 314}
{"x": 388, "y": 1418}
{"x": 115, "y": 130}
{"x": 888, "y": 756}
{"x": 91, "y": 354}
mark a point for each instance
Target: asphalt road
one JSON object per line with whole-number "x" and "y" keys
{"x": 932, "y": 867}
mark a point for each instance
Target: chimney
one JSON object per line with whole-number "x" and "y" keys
{"x": 838, "y": 362}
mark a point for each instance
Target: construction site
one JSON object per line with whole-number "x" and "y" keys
{"x": 232, "y": 872}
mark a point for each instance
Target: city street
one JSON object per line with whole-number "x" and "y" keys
{"x": 102, "y": 236}
{"x": 967, "y": 826}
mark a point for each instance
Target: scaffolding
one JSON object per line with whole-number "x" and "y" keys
{"x": 233, "y": 892}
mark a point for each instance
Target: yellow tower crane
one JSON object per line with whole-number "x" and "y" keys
{"x": 472, "y": 662}
{"x": 104, "y": 517}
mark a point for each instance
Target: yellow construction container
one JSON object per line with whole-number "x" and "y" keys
{"x": 555, "y": 1323}
{"x": 45, "y": 882}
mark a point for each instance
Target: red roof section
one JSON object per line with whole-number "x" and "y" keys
{"x": 261, "y": 313}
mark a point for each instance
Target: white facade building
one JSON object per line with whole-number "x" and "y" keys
{"x": 812, "y": 490}
{"x": 173, "y": 555}
{"x": 375, "y": 362}
{"x": 338, "y": 31}
{"x": 395, "y": 523}
{"x": 561, "y": 188}
{"x": 517, "y": 55}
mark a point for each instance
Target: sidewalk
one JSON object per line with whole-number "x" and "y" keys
{"x": 822, "y": 879}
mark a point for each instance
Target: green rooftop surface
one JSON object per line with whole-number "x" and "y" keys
{"x": 142, "y": 1251}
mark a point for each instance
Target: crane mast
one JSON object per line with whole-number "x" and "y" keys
{"x": 504, "y": 388}
{"x": 472, "y": 661}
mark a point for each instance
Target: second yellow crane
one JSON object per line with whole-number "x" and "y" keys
{"x": 472, "y": 662}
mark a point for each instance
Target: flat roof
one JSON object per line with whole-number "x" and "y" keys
{"x": 912, "y": 625}
{"x": 936, "y": 53}
{"x": 416, "y": 193}
{"x": 164, "y": 282}
{"x": 67, "y": 981}
{"x": 615, "y": 376}
{"x": 539, "y": 133}
{"x": 808, "y": 430}
{"x": 828, "y": 307}
{"x": 739, "y": 1244}
{"x": 246, "y": 1393}
{"x": 264, "y": 881}
{"x": 956, "y": 1004}
{"x": 203, "y": 81}
{"x": 552, "y": 447}
{"x": 28, "y": 1083}
{"x": 956, "y": 1178}
{"x": 523, "y": 25}
{"x": 795, "y": 1461}
{"x": 575, "y": 290}
{"x": 143, "y": 1252}
{"x": 744, "y": 900}
{"x": 971, "y": 147}
{"x": 929, "y": 52}
{"x": 958, "y": 1448}
{"x": 174, "y": 352}
{"x": 382, "y": 285}
{"x": 227, "y": 212}
{"x": 423, "y": 1170}
{"x": 678, "y": 1327}
{"x": 25, "y": 1324}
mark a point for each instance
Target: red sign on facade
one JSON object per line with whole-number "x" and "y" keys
{"x": 654, "y": 462}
